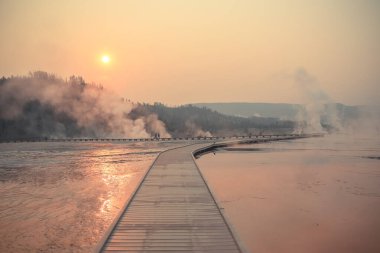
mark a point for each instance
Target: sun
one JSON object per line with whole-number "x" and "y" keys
{"x": 106, "y": 59}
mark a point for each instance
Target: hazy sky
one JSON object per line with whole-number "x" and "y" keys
{"x": 183, "y": 51}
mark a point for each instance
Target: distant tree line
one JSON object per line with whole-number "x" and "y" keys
{"x": 26, "y": 112}
{"x": 189, "y": 120}
{"x": 42, "y": 105}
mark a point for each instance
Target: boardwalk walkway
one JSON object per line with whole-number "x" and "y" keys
{"x": 172, "y": 211}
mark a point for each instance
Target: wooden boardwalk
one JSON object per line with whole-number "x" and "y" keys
{"x": 172, "y": 211}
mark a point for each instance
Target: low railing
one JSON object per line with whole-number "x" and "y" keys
{"x": 240, "y": 137}
{"x": 253, "y": 139}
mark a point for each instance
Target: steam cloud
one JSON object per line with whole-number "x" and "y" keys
{"x": 52, "y": 107}
{"x": 194, "y": 130}
{"x": 320, "y": 113}
{"x": 316, "y": 99}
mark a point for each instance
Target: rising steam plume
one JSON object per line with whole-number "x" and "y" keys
{"x": 311, "y": 113}
{"x": 321, "y": 113}
{"x": 48, "y": 106}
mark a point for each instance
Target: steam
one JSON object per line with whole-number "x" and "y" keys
{"x": 310, "y": 116}
{"x": 321, "y": 114}
{"x": 154, "y": 125}
{"x": 53, "y": 107}
{"x": 194, "y": 130}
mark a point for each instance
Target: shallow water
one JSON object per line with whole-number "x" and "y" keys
{"x": 306, "y": 195}
{"x": 61, "y": 197}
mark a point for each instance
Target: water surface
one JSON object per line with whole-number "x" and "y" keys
{"x": 61, "y": 197}
{"x": 306, "y": 195}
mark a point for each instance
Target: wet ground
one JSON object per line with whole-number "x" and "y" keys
{"x": 61, "y": 197}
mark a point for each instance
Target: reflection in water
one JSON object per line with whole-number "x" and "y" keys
{"x": 61, "y": 197}
{"x": 307, "y": 195}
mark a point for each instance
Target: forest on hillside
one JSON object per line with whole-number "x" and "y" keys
{"x": 188, "y": 120}
{"x": 42, "y": 105}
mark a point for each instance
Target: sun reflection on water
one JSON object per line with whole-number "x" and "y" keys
{"x": 65, "y": 193}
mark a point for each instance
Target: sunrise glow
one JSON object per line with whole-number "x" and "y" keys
{"x": 106, "y": 59}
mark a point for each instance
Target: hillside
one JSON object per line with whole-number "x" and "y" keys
{"x": 190, "y": 120}
{"x": 291, "y": 112}
{"x": 272, "y": 110}
{"x": 42, "y": 105}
